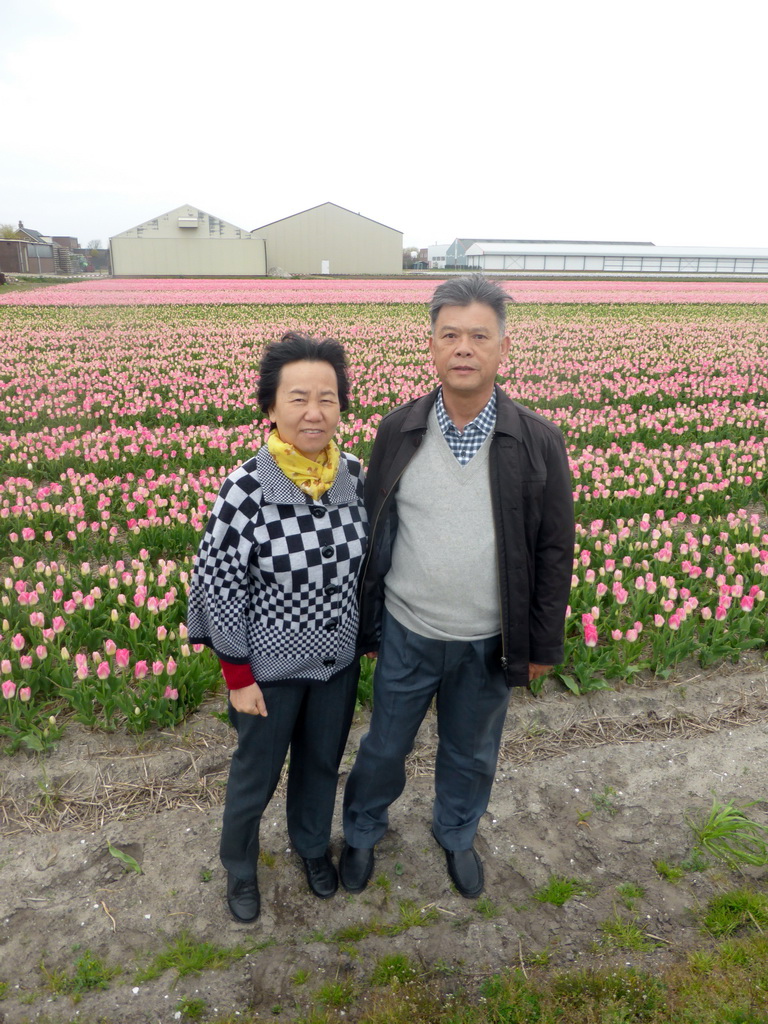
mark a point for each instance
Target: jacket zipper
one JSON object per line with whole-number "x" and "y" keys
{"x": 369, "y": 552}
{"x": 503, "y": 660}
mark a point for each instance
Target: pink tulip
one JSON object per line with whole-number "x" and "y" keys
{"x": 5, "y": 666}
{"x": 59, "y": 624}
{"x": 9, "y": 689}
{"x": 110, "y": 647}
{"x": 25, "y": 694}
{"x": 171, "y": 694}
{"x": 157, "y": 668}
{"x": 140, "y": 670}
{"x": 134, "y": 621}
{"x": 103, "y": 670}
{"x": 590, "y": 635}
{"x": 122, "y": 657}
{"x": 25, "y": 661}
{"x": 41, "y": 651}
{"x": 170, "y": 667}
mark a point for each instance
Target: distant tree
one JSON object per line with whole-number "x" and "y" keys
{"x": 95, "y": 243}
{"x": 410, "y": 255}
{"x": 8, "y": 231}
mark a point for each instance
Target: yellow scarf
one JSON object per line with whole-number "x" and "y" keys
{"x": 312, "y": 477}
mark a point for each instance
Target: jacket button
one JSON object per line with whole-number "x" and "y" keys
{"x": 332, "y": 625}
{"x": 317, "y": 512}
{"x": 327, "y": 552}
{"x": 328, "y": 662}
{"x": 332, "y": 588}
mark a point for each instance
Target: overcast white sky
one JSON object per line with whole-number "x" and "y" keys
{"x": 617, "y": 120}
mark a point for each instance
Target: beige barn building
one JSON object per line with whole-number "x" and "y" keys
{"x": 326, "y": 239}
{"x": 187, "y": 242}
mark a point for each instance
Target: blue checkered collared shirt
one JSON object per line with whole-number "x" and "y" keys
{"x": 467, "y": 443}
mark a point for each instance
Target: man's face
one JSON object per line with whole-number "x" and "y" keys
{"x": 467, "y": 348}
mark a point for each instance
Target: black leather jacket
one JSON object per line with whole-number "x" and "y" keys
{"x": 532, "y": 498}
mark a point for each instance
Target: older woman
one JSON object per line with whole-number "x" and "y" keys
{"x": 273, "y": 593}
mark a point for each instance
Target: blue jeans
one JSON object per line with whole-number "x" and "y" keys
{"x": 472, "y": 696}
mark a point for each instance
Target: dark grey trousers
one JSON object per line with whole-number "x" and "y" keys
{"x": 313, "y": 721}
{"x": 472, "y": 696}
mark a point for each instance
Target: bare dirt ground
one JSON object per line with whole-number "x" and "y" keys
{"x": 594, "y": 788}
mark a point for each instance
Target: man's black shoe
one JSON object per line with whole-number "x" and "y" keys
{"x": 355, "y": 867}
{"x": 321, "y": 875}
{"x": 466, "y": 871}
{"x": 243, "y": 898}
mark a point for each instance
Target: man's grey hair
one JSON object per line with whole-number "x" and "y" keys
{"x": 463, "y": 291}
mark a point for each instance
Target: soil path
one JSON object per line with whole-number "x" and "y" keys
{"x": 594, "y": 788}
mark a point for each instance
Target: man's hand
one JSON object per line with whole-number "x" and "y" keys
{"x": 249, "y": 700}
{"x": 535, "y": 671}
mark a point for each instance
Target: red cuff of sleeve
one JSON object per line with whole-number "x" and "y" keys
{"x": 236, "y": 676}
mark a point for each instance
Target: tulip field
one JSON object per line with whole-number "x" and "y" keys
{"x": 124, "y": 404}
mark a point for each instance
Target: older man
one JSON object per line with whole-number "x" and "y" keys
{"x": 466, "y": 583}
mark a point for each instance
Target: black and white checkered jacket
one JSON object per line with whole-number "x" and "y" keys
{"x": 275, "y": 579}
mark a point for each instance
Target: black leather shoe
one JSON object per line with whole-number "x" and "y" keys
{"x": 321, "y": 875}
{"x": 355, "y": 867}
{"x": 466, "y": 871}
{"x": 243, "y": 898}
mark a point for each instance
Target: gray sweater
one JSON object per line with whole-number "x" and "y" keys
{"x": 443, "y": 583}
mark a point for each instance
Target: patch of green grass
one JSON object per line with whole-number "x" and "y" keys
{"x": 624, "y": 933}
{"x": 88, "y": 974}
{"x": 671, "y": 872}
{"x": 618, "y": 996}
{"x": 186, "y": 955}
{"x": 559, "y": 889}
{"x": 365, "y": 684}
{"x": 191, "y": 1009}
{"x": 731, "y": 911}
{"x": 486, "y": 908}
{"x": 336, "y": 994}
{"x": 3, "y": 989}
{"x": 394, "y": 969}
{"x": 267, "y": 859}
{"x": 300, "y": 977}
{"x": 728, "y": 834}
{"x": 695, "y": 861}
{"x": 412, "y": 916}
{"x": 629, "y": 894}
{"x": 511, "y": 999}
{"x": 206, "y": 875}
{"x": 606, "y": 802}
{"x": 383, "y": 884}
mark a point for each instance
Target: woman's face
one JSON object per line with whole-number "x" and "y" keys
{"x": 306, "y": 408}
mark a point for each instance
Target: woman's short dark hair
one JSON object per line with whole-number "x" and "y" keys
{"x": 293, "y": 348}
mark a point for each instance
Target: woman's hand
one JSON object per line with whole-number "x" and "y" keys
{"x": 249, "y": 700}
